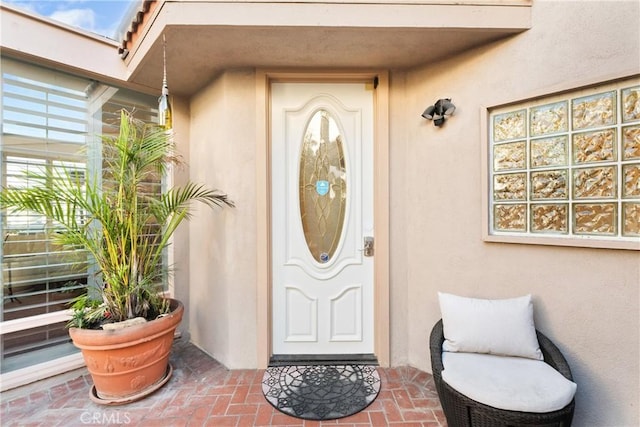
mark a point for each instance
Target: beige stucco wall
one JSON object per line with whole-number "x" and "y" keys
{"x": 586, "y": 300}
{"x": 222, "y": 262}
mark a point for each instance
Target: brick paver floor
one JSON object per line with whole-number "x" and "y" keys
{"x": 202, "y": 392}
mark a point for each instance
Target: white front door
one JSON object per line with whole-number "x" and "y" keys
{"x": 322, "y": 215}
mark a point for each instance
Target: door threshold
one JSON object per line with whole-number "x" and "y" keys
{"x": 323, "y": 359}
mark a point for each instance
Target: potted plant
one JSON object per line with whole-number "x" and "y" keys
{"x": 125, "y": 326}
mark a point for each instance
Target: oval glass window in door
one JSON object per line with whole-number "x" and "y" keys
{"x": 323, "y": 185}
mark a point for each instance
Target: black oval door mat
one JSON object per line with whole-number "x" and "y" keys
{"x": 321, "y": 392}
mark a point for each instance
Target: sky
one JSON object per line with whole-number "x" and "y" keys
{"x": 98, "y": 16}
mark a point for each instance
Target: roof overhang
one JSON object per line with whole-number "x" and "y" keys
{"x": 28, "y": 36}
{"x": 204, "y": 38}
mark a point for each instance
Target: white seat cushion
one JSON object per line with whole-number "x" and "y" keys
{"x": 511, "y": 383}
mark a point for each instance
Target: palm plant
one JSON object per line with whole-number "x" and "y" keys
{"x": 123, "y": 227}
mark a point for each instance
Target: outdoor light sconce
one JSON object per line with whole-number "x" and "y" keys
{"x": 439, "y": 111}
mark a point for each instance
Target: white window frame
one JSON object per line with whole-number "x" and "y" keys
{"x": 568, "y": 239}
{"x": 50, "y": 368}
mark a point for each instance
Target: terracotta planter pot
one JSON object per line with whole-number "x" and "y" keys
{"x": 129, "y": 363}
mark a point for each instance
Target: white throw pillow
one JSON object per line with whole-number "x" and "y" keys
{"x": 503, "y": 327}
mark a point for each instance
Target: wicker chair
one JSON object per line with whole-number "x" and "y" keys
{"x": 461, "y": 411}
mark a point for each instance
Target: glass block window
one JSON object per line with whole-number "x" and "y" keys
{"x": 567, "y": 166}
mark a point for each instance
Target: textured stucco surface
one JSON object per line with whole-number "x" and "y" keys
{"x": 586, "y": 300}
{"x": 222, "y": 244}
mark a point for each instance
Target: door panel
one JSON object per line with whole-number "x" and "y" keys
{"x": 322, "y": 209}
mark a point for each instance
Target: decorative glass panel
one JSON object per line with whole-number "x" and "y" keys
{"x": 631, "y": 142}
{"x": 510, "y": 126}
{"x": 510, "y": 217}
{"x": 580, "y": 173}
{"x": 593, "y": 111}
{"x": 592, "y": 183}
{"x": 631, "y": 219}
{"x": 550, "y": 218}
{"x": 511, "y": 186}
{"x": 550, "y": 118}
{"x": 549, "y": 185}
{"x": 323, "y": 186}
{"x": 549, "y": 152}
{"x": 631, "y": 104}
{"x": 589, "y": 147}
{"x": 509, "y": 156}
{"x": 595, "y": 218}
{"x": 631, "y": 178}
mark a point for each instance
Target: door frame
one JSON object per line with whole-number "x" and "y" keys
{"x": 264, "y": 78}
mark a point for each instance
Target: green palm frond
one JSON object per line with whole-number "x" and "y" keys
{"x": 124, "y": 228}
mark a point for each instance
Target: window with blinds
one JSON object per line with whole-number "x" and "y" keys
{"x": 50, "y": 121}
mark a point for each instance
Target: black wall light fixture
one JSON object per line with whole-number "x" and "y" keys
{"x": 439, "y": 111}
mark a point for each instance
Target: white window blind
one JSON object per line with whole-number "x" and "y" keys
{"x": 50, "y": 121}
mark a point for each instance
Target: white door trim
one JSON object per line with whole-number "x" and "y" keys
{"x": 264, "y": 78}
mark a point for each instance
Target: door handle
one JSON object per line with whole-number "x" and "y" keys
{"x": 368, "y": 246}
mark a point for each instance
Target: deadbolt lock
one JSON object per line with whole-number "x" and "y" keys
{"x": 368, "y": 246}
